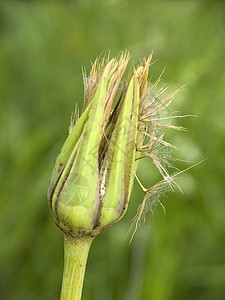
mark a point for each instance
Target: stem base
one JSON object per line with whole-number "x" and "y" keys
{"x": 75, "y": 258}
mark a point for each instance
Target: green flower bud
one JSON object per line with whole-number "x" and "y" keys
{"x": 93, "y": 175}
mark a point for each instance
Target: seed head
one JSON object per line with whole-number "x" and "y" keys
{"x": 93, "y": 175}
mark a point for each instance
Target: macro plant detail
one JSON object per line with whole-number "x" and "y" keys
{"x": 122, "y": 122}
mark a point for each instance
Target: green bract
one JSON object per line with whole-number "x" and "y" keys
{"x": 93, "y": 175}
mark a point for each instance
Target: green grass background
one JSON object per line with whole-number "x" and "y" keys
{"x": 43, "y": 45}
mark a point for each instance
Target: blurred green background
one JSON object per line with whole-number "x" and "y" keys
{"x": 43, "y": 45}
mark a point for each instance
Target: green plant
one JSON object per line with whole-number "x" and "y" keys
{"x": 93, "y": 175}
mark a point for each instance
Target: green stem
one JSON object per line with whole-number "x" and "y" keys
{"x": 75, "y": 259}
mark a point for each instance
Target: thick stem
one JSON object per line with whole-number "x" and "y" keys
{"x": 75, "y": 259}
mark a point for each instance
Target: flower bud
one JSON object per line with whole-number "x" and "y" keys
{"x": 93, "y": 174}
